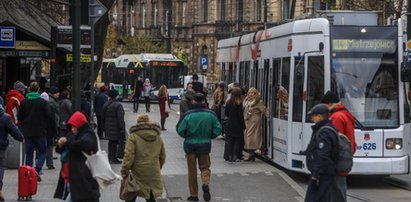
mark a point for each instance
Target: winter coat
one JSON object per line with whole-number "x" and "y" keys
{"x": 185, "y": 102}
{"x": 162, "y": 106}
{"x": 145, "y": 156}
{"x": 55, "y": 109}
{"x": 321, "y": 150}
{"x": 85, "y": 107}
{"x": 198, "y": 126}
{"x": 113, "y": 120}
{"x": 138, "y": 87}
{"x": 235, "y": 125}
{"x": 35, "y": 116}
{"x": 13, "y": 100}
{"x": 253, "y": 110}
{"x": 147, "y": 88}
{"x": 83, "y": 186}
{"x": 8, "y": 127}
{"x": 65, "y": 112}
{"x": 99, "y": 101}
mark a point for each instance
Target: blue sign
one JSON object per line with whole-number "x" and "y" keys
{"x": 7, "y": 37}
{"x": 203, "y": 60}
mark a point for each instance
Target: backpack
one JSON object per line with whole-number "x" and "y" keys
{"x": 343, "y": 158}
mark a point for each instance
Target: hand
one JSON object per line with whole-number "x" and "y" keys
{"x": 62, "y": 141}
{"x": 315, "y": 182}
{"x": 124, "y": 173}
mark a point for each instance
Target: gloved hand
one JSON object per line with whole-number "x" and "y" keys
{"x": 315, "y": 182}
{"x": 124, "y": 173}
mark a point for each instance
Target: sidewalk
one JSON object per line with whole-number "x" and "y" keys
{"x": 246, "y": 181}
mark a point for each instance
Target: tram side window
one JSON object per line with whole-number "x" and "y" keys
{"x": 298, "y": 91}
{"x": 281, "y": 71}
{"x": 241, "y": 78}
{"x": 315, "y": 82}
{"x": 223, "y": 72}
{"x": 247, "y": 71}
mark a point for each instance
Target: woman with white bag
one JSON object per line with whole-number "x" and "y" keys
{"x": 144, "y": 157}
{"x": 82, "y": 186}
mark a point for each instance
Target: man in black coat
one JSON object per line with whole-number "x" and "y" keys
{"x": 99, "y": 101}
{"x": 34, "y": 116}
{"x": 320, "y": 154}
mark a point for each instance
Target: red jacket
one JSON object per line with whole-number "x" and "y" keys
{"x": 13, "y": 99}
{"x": 344, "y": 121}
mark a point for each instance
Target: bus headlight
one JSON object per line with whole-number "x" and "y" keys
{"x": 393, "y": 143}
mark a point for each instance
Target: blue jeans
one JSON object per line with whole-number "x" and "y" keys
{"x": 40, "y": 143}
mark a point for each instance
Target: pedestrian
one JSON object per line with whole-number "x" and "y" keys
{"x": 14, "y": 98}
{"x": 319, "y": 154}
{"x": 198, "y": 126}
{"x": 218, "y": 100}
{"x": 147, "y": 88}
{"x": 99, "y": 101}
{"x": 186, "y": 97}
{"x": 138, "y": 87}
{"x": 6, "y": 127}
{"x": 51, "y": 133}
{"x": 162, "y": 102}
{"x": 235, "y": 125}
{"x": 144, "y": 157}
{"x": 82, "y": 186}
{"x": 85, "y": 105}
{"x": 113, "y": 125}
{"x": 344, "y": 122}
{"x": 54, "y": 94}
{"x": 34, "y": 117}
{"x": 198, "y": 87}
{"x": 65, "y": 111}
{"x": 253, "y": 109}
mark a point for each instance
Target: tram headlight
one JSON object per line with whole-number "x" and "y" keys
{"x": 393, "y": 143}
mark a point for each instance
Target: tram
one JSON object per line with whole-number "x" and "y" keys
{"x": 294, "y": 64}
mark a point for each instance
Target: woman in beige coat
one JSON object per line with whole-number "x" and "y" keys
{"x": 254, "y": 108}
{"x": 144, "y": 156}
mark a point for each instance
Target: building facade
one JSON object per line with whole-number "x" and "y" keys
{"x": 193, "y": 27}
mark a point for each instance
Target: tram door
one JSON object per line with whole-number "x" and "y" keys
{"x": 297, "y": 106}
{"x": 265, "y": 89}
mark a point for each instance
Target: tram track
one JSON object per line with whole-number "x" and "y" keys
{"x": 397, "y": 183}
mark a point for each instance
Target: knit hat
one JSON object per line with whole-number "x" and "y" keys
{"x": 45, "y": 96}
{"x": 319, "y": 109}
{"x": 54, "y": 90}
{"x": 18, "y": 85}
{"x": 103, "y": 88}
{"x": 144, "y": 118}
{"x": 113, "y": 93}
{"x": 199, "y": 97}
{"x": 77, "y": 119}
{"x": 330, "y": 97}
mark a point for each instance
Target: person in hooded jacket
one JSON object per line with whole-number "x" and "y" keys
{"x": 344, "y": 122}
{"x": 320, "y": 153}
{"x": 6, "y": 127}
{"x": 144, "y": 157}
{"x": 13, "y": 100}
{"x": 81, "y": 138}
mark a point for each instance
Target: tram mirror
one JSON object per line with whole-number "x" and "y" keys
{"x": 321, "y": 46}
{"x": 406, "y": 72}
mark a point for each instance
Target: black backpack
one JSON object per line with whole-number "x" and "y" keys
{"x": 343, "y": 154}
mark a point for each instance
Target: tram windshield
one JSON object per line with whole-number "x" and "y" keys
{"x": 365, "y": 75}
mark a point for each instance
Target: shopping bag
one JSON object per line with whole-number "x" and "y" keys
{"x": 100, "y": 169}
{"x": 129, "y": 188}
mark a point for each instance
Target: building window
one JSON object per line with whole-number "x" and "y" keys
{"x": 258, "y": 10}
{"x": 240, "y": 10}
{"x": 222, "y": 9}
{"x": 205, "y": 10}
{"x": 286, "y": 9}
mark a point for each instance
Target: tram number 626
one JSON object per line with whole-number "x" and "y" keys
{"x": 369, "y": 146}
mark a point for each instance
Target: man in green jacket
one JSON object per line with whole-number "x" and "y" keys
{"x": 198, "y": 126}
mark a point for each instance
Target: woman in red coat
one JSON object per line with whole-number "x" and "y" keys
{"x": 162, "y": 102}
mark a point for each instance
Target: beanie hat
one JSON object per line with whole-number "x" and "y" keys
{"x": 18, "y": 85}
{"x": 77, "y": 119}
{"x": 103, "y": 88}
{"x": 199, "y": 97}
{"x": 45, "y": 96}
{"x": 319, "y": 109}
{"x": 113, "y": 93}
{"x": 144, "y": 118}
{"x": 54, "y": 90}
{"x": 330, "y": 97}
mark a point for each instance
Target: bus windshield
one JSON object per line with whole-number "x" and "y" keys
{"x": 366, "y": 78}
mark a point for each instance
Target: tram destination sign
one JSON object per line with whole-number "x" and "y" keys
{"x": 364, "y": 45}
{"x": 65, "y": 37}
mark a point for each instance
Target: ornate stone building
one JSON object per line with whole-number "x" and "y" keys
{"x": 193, "y": 27}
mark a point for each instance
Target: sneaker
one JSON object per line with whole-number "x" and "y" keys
{"x": 192, "y": 198}
{"x": 206, "y": 193}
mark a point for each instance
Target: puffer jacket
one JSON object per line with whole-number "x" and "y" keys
{"x": 113, "y": 120}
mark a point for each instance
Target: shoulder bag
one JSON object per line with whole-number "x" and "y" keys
{"x": 100, "y": 167}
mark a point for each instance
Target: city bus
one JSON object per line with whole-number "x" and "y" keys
{"x": 349, "y": 53}
{"x": 121, "y": 72}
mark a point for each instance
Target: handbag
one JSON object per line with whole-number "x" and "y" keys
{"x": 129, "y": 188}
{"x": 100, "y": 167}
{"x": 167, "y": 107}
